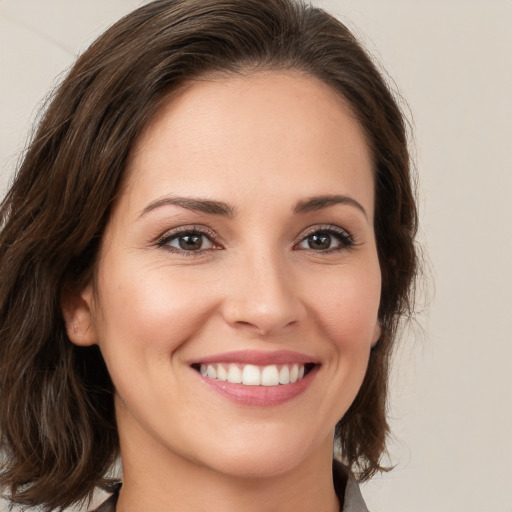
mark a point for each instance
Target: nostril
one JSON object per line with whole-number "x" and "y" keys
{"x": 266, "y": 311}
{"x": 244, "y": 323}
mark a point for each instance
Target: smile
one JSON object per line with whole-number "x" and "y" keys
{"x": 253, "y": 375}
{"x": 253, "y": 378}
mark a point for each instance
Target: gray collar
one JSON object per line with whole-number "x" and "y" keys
{"x": 347, "y": 489}
{"x": 353, "y": 501}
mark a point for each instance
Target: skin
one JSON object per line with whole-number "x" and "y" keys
{"x": 262, "y": 144}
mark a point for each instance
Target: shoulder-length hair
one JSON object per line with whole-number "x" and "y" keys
{"x": 57, "y": 418}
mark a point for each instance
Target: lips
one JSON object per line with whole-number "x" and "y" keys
{"x": 257, "y": 378}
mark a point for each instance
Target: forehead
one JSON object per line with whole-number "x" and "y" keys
{"x": 225, "y": 134}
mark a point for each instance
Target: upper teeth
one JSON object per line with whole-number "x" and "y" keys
{"x": 252, "y": 375}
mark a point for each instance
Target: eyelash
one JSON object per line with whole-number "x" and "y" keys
{"x": 346, "y": 240}
{"x": 344, "y": 237}
{"x": 202, "y": 231}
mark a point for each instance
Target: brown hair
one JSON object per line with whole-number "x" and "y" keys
{"x": 57, "y": 418}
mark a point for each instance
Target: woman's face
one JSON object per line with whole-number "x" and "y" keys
{"x": 241, "y": 248}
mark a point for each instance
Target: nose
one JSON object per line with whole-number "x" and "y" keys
{"x": 262, "y": 296}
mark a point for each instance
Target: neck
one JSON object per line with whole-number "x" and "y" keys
{"x": 155, "y": 479}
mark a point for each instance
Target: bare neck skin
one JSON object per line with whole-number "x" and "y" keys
{"x": 154, "y": 479}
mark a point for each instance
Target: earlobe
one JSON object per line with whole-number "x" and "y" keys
{"x": 77, "y": 307}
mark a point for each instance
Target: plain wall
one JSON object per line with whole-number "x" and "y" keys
{"x": 451, "y": 403}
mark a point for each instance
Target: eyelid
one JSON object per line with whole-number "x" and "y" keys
{"x": 346, "y": 236}
{"x": 348, "y": 240}
{"x": 168, "y": 235}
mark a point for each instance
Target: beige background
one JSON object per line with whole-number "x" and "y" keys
{"x": 451, "y": 402}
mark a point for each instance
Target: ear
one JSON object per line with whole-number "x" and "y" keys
{"x": 77, "y": 310}
{"x": 376, "y": 333}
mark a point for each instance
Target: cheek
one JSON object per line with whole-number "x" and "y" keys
{"x": 345, "y": 304}
{"x": 158, "y": 311}
{"x": 345, "y": 309}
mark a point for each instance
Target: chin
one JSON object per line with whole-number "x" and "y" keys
{"x": 268, "y": 456}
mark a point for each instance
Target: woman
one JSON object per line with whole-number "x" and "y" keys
{"x": 204, "y": 259}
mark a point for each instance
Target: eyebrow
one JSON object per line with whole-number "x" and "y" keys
{"x": 320, "y": 202}
{"x": 194, "y": 204}
{"x": 212, "y": 207}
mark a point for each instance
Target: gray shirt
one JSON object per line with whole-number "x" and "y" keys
{"x": 353, "y": 501}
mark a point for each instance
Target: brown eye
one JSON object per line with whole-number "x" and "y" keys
{"x": 190, "y": 242}
{"x": 319, "y": 241}
{"x": 326, "y": 240}
{"x": 187, "y": 241}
